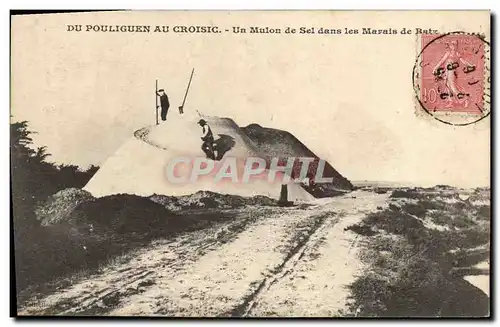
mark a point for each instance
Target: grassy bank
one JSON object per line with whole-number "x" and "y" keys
{"x": 417, "y": 252}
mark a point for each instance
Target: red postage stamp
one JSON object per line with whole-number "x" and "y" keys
{"x": 451, "y": 74}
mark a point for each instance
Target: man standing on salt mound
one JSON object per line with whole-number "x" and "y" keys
{"x": 208, "y": 139}
{"x": 165, "y": 104}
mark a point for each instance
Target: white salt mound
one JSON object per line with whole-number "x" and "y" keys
{"x": 139, "y": 165}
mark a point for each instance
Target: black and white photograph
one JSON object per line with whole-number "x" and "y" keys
{"x": 251, "y": 164}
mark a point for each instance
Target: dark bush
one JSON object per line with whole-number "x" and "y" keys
{"x": 122, "y": 213}
{"x": 441, "y": 218}
{"x": 406, "y": 194}
{"x": 371, "y": 295}
{"x": 59, "y": 205}
{"x": 364, "y": 230}
{"x": 393, "y": 222}
{"x": 484, "y": 212}
{"x": 411, "y": 275}
{"x": 416, "y": 209}
{"x": 33, "y": 180}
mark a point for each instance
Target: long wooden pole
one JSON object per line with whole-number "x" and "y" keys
{"x": 181, "y": 108}
{"x": 156, "y": 96}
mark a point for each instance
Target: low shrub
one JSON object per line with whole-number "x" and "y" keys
{"x": 410, "y": 265}
{"x": 483, "y": 212}
{"x": 59, "y": 205}
{"x": 406, "y": 194}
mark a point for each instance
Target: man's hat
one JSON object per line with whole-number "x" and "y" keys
{"x": 202, "y": 122}
{"x": 161, "y": 90}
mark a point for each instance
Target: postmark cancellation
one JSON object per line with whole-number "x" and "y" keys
{"x": 451, "y": 78}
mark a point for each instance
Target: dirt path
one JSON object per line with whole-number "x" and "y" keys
{"x": 283, "y": 261}
{"x": 313, "y": 284}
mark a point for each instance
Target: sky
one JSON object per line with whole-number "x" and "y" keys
{"x": 349, "y": 98}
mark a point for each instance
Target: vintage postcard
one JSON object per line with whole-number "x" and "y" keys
{"x": 251, "y": 163}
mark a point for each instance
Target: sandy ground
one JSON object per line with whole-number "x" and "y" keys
{"x": 481, "y": 281}
{"x": 266, "y": 262}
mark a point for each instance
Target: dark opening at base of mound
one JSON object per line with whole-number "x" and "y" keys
{"x": 282, "y": 144}
{"x": 124, "y": 213}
